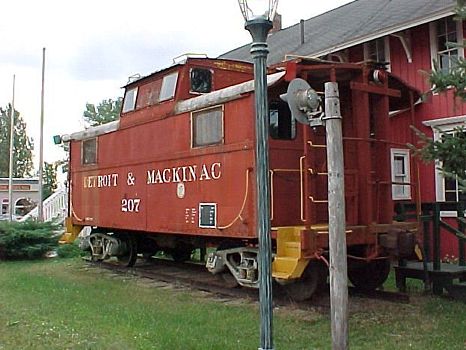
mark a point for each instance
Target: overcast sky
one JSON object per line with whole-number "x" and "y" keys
{"x": 92, "y": 47}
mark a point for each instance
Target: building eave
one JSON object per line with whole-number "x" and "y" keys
{"x": 386, "y": 31}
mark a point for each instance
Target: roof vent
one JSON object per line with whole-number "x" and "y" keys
{"x": 301, "y": 26}
{"x": 134, "y": 77}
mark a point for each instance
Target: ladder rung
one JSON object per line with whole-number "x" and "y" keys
{"x": 313, "y": 200}
{"x": 316, "y": 146}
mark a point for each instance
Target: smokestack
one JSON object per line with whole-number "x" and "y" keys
{"x": 301, "y": 26}
{"x": 277, "y": 23}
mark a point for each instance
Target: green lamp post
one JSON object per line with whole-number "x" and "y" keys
{"x": 258, "y": 15}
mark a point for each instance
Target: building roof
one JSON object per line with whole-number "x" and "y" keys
{"x": 348, "y": 25}
{"x": 31, "y": 180}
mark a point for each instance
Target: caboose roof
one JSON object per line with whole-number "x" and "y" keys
{"x": 210, "y": 99}
{"x": 177, "y": 65}
{"x": 349, "y": 25}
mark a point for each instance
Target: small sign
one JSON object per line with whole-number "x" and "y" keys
{"x": 16, "y": 187}
{"x": 208, "y": 215}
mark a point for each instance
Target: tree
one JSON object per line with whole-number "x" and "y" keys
{"x": 22, "y": 147}
{"x": 49, "y": 180}
{"x": 450, "y": 149}
{"x": 106, "y": 111}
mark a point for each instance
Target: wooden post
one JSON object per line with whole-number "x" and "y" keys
{"x": 337, "y": 221}
{"x": 361, "y": 120}
{"x": 436, "y": 236}
{"x": 461, "y": 228}
{"x": 40, "y": 205}
{"x": 11, "y": 205}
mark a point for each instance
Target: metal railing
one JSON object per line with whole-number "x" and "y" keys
{"x": 54, "y": 207}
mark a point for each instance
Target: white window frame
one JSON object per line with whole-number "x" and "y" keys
{"x": 130, "y": 105}
{"x": 168, "y": 88}
{"x": 386, "y": 44}
{"x": 401, "y": 192}
{"x": 433, "y": 40}
{"x": 439, "y": 127}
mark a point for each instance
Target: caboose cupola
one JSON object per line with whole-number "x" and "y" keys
{"x": 156, "y": 95}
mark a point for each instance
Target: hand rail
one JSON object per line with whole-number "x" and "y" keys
{"x": 53, "y": 207}
{"x": 431, "y": 213}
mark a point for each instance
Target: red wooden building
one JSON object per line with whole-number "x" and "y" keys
{"x": 406, "y": 37}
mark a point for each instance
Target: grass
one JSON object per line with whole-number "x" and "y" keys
{"x": 60, "y": 304}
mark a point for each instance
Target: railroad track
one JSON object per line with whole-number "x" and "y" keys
{"x": 195, "y": 276}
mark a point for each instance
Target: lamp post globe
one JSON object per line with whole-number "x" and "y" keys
{"x": 252, "y": 9}
{"x": 258, "y": 15}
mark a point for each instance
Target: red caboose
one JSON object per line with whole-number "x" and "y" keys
{"x": 176, "y": 171}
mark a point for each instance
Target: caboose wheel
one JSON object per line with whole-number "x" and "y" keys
{"x": 131, "y": 255}
{"x": 370, "y": 275}
{"x": 228, "y": 280}
{"x": 181, "y": 253}
{"x": 313, "y": 279}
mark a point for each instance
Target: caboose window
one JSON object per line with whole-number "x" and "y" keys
{"x": 148, "y": 94}
{"x": 207, "y": 127}
{"x": 168, "y": 87}
{"x": 282, "y": 124}
{"x": 89, "y": 151}
{"x": 130, "y": 100}
{"x": 201, "y": 80}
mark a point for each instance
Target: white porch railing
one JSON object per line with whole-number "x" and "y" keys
{"x": 54, "y": 207}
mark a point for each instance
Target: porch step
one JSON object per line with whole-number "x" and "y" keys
{"x": 289, "y": 262}
{"x": 457, "y": 291}
{"x": 292, "y": 249}
{"x": 284, "y": 263}
{"x": 71, "y": 231}
{"x": 447, "y": 277}
{"x": 288, "y": 267}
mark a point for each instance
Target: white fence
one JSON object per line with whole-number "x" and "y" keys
{"x": 54, "y": 207}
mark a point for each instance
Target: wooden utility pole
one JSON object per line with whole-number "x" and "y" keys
{"x": 337, "y": 220}
{"x": 41, "y": 143}
{"x": 11, "y": 206}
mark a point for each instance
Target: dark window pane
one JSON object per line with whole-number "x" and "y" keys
{"x": 450, "y": 196}
{"x": 441, "y": 27}
{"x": 462, "y": 196}
{"x": 89, "y": 148}
{"x": 450, "y": 24}
{"x": 441, "y": 43}
{"x": 399, "y": 165}
{"x": 282, "y": 125}
{"x": 201, "y": 80}
{"x": 451, "y": 39}
{"x": 376, "y": 50}
{"x": 450, "y": 184}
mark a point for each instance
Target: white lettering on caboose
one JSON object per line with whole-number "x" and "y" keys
{"x": 108, "y": 180}
{"x": 189, "y": 173}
